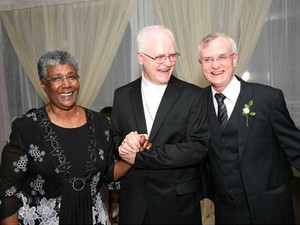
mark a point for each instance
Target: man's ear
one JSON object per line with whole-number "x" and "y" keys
{"x": 140, "y": 58}
{"x": 235, "y": 59}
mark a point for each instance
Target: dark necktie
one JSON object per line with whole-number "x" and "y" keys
{"x": 222, "y": 111}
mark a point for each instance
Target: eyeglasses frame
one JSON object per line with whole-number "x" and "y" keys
{"x": 212, "y": 60}
{"x": 49, "y": 79}
{"x": 166, "y": 56}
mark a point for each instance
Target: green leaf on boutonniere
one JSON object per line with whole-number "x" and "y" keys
{"x": 247, "y": 112}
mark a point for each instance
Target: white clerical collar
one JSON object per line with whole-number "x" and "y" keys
{"x": 151, "y": 95}
{"x": 148, "y": 85}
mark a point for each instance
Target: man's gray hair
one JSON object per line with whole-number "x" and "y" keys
{"x": 212, "y": 36}
{"x": 146, "y": 31}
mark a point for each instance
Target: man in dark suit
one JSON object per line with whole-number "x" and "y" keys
{"x": 253, "y": 139}
{"x": 162, "y": 186}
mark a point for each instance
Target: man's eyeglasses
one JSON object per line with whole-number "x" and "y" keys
{"x": 58, "y": 80}
{"x": 162, "y": 58}
{"x": 221, "y": 59}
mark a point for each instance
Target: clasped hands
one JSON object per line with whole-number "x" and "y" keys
{"x": 132, "y": 144}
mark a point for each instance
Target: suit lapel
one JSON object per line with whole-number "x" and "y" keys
{"x": 169, "y": 97}
{"x": 210, "y": 101}
{"x": 245, "y": 96}
{"x": 137, "y": 107}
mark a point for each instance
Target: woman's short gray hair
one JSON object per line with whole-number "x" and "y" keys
{"x": 53, "y": 58}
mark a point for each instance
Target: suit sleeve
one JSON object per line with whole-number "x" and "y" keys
{"x": 288, "y": 135}
{"x": 115, "y": 131}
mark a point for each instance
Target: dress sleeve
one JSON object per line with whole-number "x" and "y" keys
{"x": 111, "y": 161}
{"x": 12, "y": 173}
{"x": 109, "y": 176}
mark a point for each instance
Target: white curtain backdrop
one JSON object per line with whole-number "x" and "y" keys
{"x": 105, "y": 46}
{"x": 4, "y": 108}
{"x": 90, "y": 30}
{"x": 193, "y": 20}
{"x": 6, "y": 5}
{"x": 276, "y": 59}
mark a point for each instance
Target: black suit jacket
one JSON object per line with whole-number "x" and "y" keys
{"x": 165, "y": 180}
{"x": 265, "y": 146}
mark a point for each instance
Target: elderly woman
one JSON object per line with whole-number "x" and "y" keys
{"x": 57, "y": 156}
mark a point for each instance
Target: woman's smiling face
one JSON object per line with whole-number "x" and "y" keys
{"x": 62, "y": 95}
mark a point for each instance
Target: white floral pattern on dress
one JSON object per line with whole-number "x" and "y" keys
{"x": 101, "y": 153}
{"x": 37, "y": 186}
{"x": 32, "y": 115}
{"x": 11, "y": 191}
{"x": 47, "y": 210}
{"x": 45, "y": 213}
{"x": 21, "y": 165}
{"x": 115, "y": 185}
{"x": 100, "y": 214}
{"x": 94, "y": 183}
{"x": 106, "y": 132}
{"x": 28, "y": 214}
{"x": 36, "y": 154}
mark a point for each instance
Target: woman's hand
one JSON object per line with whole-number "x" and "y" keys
{"x": 132, "y": 144}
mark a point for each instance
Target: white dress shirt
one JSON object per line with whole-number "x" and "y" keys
{"x": 231, "y": 92}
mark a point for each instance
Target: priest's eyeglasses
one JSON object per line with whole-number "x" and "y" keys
{"x": 162, "y": 58}
{"x": 58, "y": 80}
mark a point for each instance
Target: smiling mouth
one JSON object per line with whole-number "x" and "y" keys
{"x": 166, "y": 70}
{"x": 66, "y": 95}
{"x": 217, "y": 72}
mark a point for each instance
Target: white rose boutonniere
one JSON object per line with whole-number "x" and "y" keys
{"x": 247, "y": 112}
